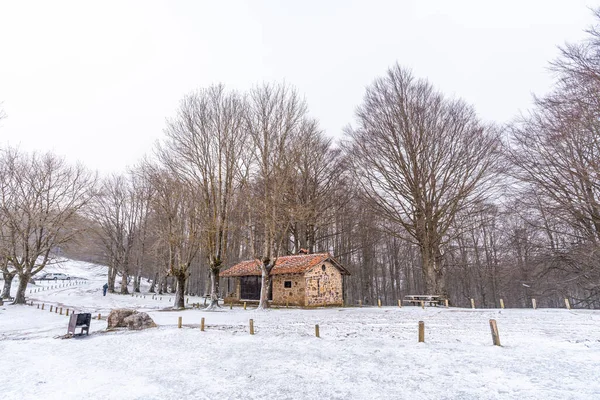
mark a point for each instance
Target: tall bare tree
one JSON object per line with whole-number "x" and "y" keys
{"x": 179, "y": 219}
{"x": 207, "y": 148}
{"x": 43, "y": 196}
{"x": 420, "y": 159}
{"x": 274, "y": 119}
{"x": 317, "y": 188}
{"x": 556, "y": 151}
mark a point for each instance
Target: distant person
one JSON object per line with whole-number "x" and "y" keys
{"x": 104, "y": 289}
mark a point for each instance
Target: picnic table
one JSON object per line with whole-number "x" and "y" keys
{"x": 429, "y": 299}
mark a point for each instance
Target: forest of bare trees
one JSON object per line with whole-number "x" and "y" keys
{"x": 419, "y": 195}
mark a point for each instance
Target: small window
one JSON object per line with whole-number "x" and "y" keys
{"x": 323, "y": 267}
{"x": 287, "y": 284}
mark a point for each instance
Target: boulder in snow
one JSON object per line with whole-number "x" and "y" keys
{"x": 139, "y": 321}
{"x": 116, "y": 318}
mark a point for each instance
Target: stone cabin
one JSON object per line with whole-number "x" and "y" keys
{"x": 306, "y": 280}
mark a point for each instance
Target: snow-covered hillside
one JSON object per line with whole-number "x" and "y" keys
{"x": 363, "y": 353}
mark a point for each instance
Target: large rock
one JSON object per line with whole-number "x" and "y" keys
{"x": 131, "y": 319}
{"x": 139, "y": 321}
{"x": 116, "y": 318}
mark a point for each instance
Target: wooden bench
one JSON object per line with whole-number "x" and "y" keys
{"x": 422, "y": 299}
{"x": 81, "y": 320}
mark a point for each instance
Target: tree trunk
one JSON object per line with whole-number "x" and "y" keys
{"x": 8, "y": 279}
{"x": 214, "y": 287}
{"x": 112, "y": 277}
{"x": 124, "y": 278}
{"x": 179, "y": 294}
{"x": 264, "y": 289}
{"x": 22, "y": 288}
{"x": 153, "y": 286}
{"x": 433, "y": 274}
{"x": 136, "y": 282}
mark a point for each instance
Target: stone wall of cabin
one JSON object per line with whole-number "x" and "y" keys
{"x": 293, "y": 296}
{"x": 323, "y": 287}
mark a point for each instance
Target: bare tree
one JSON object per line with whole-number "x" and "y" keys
{"x": 117, "y": 211}
{"x": 7, "y": 197}
{"x": 207, "y": 148}
{"x": 420, "y": 159}
{"x": 274, "y": 120}
{"x": 178, "y": 218}
{"x": 317, "y": 188}
{"x": 42, "y": 196}
{"x": 556, "y": 151}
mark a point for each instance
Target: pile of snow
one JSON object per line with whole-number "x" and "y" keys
{"x": 363, "y": 353}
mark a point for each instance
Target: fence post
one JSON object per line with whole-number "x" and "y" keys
{"x": 446, "y": 302}
{"x": 179, "y": 322}
{"x": 51, "y": 308}
{"x": 473, "y": 303}
{"x": 252, "y": 327}
{"x": 317, "y": 331}
{"x": 244, "y": 305}
{"x": 421, "y": 331}
{"x": 567, "y": 304}
{"x": 534, "y": 304}
{"x": 43, "y": 304}
{"x": 495, "y": 335}
{"x": 399, "y": 303}
{"x": 422, "y": 304}
{"x": 202, "y": 324}
{"x": 379, "y": 302}
{"x": 502, "y": 304}
{"x": 99, "y": 317}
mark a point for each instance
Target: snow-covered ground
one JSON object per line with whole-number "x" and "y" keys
{"x": 363, "y": 353}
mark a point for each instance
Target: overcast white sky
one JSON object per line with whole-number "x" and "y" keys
{"x": 94, "y": 81}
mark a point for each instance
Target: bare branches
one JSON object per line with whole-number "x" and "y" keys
{"x": 207, "y": 149}
{"x": 420, "y": 159}
{"x": 41, "y": 196}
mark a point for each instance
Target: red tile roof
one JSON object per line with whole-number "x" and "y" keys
{"x": 296, "y": 264}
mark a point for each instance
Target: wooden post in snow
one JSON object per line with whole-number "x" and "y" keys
{"x": 252, "y": 327}
{"x": 360, "y": 303}
{"x": 61, "y": 311}
{"x": 51, "y": 308}
{"x": 244, "y": 305}
{"x": 179, "y": 322}
{"x": 446, "y": 302}
{"x": 495, "y": 335}
{"x": 421, "y": 331}
{"x": 567, "y": 304}
{"x": 202, "y": 324}
{"x": 422, "y": 304}
{"x": 502, "y": 304}
{"x": 379, "y": 302}
{"x": 473, "y": 303}
{"x": 99, "y": 317}
{"x": 43, "y": 304}
{"x": 534, "y": 304}
{"x": 399, "y": 303}
{"x": 317, "y": 331}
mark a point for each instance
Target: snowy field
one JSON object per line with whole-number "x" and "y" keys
{"x": 363, "y": 353}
